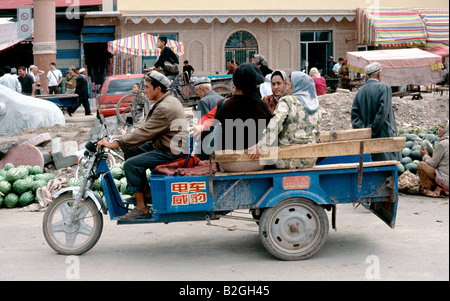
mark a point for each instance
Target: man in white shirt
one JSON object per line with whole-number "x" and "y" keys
{"x": 10, "y": 80}
{"x": 54, "y": 79}
{"x": 337, "y": 66}
{"x": 36, "y": 74}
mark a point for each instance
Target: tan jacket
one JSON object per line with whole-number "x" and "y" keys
{"x": 166, "y": 127}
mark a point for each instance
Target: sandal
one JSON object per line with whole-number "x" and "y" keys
{"x": 136, "y": 214}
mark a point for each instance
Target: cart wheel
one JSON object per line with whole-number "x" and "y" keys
{"x": 294, "y": 229}
{"x": 77, "y": 238}
{"x": 222, "y": 89}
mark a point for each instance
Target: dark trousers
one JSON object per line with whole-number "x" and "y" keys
{"x": 53, "y": 90}
{"x": 86, "y": 105}
{"x": 137, "y": 160}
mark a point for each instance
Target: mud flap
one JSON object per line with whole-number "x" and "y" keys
{"x": 383, "y": 201}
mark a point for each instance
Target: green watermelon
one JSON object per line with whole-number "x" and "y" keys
{"x": 406, "y": 152}
{"x": 1, "y": 201}
{"x": 8, "y": 166}
{"x": 117, "y": 173}
{"x": 400, "y": 168}
{"x": 10, "y": 200}
{"x": 416, "y": 147}
{"x": 406, "y": 160}
{"x": 431, "y": 137}
{"x": 427, "y": 145}
{"x": 22, "y": 185}
{"x": 409, "y": 144}
{"x": 5, "y": 187}
{"x": 37, "y": 170}
{"x": 412, "y": 167}
{"x": 26, "y": 198}
{"x": 74, "y": 182}
{"x": 415, "y": 155}
{"x": 97, "y": 185}
{"x": 38, "y": 184}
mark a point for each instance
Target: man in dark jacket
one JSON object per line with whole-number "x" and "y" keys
{"x": 160, "y": 139}
{"x": 167, "y": 55}
{"x": 83, "y": 92}
{"x": 372, "y": 108}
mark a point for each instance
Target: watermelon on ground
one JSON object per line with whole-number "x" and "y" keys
{"x": 400, "y": 168}
{"x": 406, "y": 160}
{"x": 5, "y": 187}
{"x": 26, "y": 198}
{"x": 409, "y": 144}
{"x": 415, "y": 155}
{"x": 406, "y": 152}
{"x": 8, "y": 166}
{"x": 11, "y": 200}
{"x": 412, "y": 167}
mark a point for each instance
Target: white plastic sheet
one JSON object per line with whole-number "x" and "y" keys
{"x": 18, "y": 111}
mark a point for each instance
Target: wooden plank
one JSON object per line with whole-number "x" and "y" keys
{"x": 327, "y": 149}
{"x": 341, "y": 135}
{"x": 314, "y": 168}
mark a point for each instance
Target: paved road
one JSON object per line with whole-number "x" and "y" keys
{"x": 362, "y": 248}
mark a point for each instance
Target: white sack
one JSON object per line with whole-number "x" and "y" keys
{"x": 18, "y": 111}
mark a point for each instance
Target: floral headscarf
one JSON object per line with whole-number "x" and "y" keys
{"x": 303, "y": 87}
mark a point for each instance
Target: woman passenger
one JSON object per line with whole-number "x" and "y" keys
{"x": 243, "y": 116}
{"x": 296, "y": 120}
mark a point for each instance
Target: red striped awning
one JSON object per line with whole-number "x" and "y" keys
{"x": 13, "y": 4}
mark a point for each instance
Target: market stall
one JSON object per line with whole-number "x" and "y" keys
{"x": 401, "y": 67}
{"x": 128, "y": 52}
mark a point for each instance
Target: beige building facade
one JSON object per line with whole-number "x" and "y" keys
{"x": 296, "y": 35}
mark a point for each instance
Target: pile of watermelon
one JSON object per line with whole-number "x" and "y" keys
{"x": 18, "y": 185}
{"x": 118, "y": 175}
{"x": 411, "y": 153}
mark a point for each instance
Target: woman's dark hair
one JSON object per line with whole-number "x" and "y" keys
{"x": 247, "y": 78}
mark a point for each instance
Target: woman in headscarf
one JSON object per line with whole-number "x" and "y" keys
{"x": 260, "y": 61}
{"x": 243, "y": 116}
{"x": 319, "y": 81}
{"x": 275, "y": 87}
{"x": 434, "y": 171}
{"x": 296, "y": 120}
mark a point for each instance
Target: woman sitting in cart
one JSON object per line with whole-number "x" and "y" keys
{"x": 433, "y": 171}
{"x": 243, "y": 116}
{"x": 297, "y": 118}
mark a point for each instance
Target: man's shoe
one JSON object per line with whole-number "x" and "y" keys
{"x": 88, "y": 114}
{"x": 136, "y": 214}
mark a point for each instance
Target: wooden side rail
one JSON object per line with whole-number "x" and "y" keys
{"x": 342, "y": 135}
{"x": 326, "y": 149}
{"x": 314, "y": 168}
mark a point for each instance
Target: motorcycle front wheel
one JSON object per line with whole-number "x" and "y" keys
{"x": 72, "y": 238}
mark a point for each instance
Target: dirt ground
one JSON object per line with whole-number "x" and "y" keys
{"x": 420, "y": 114}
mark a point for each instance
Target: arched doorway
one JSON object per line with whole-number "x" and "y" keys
{"x": 240, "y": 47}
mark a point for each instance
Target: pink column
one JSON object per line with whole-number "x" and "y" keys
{"x": 44, "y": 46}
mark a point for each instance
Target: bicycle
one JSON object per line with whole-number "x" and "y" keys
{"x": 135, "y": 105}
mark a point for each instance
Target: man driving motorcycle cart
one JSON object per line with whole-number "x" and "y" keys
{"x": 163, "y": 137}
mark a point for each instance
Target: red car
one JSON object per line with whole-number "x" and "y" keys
{"x": 113, "y": 89}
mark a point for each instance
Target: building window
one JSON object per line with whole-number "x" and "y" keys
{"x": 240, "y": 47}
{"x": 315, "y": 49}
